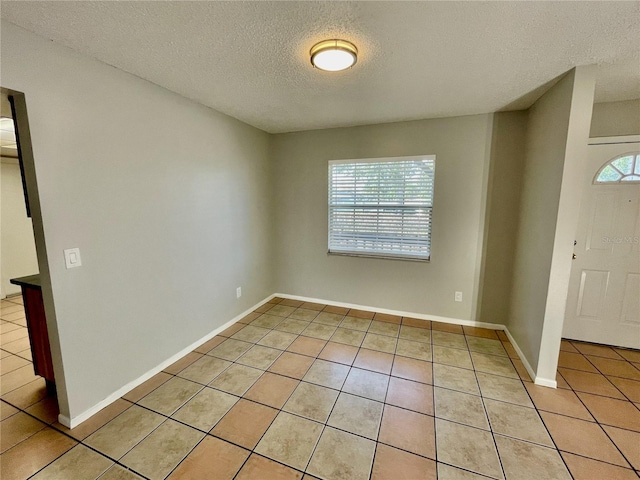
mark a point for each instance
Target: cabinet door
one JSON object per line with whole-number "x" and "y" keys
{"x": 38, "y": 333}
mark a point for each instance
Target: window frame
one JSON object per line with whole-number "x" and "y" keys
{"x": 382, "y": 255}
{"x": 620, "y": 181}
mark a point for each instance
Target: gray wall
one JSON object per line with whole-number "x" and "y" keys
{"x": 550, "y": 170}
{"x": 568, "y": 208}
{"x": 614, "y": 119}
{"x": 544, "y": 159}
{"x": 167, "y": 200}
{"x": 300, "y": 182}
{"x": 174, "y": 205}
{"x": 503, "y": 210}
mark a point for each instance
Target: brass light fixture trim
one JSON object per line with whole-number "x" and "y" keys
{"x": 333, "y": 55}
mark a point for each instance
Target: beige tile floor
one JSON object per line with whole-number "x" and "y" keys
{"x": 298, "y": 390}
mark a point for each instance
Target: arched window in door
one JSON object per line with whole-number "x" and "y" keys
{"x": 621, "y": 169}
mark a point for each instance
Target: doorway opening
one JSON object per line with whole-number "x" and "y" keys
{"x": 26, "y": 367}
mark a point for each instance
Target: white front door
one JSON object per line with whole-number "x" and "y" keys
{"x": 603, "y": 302}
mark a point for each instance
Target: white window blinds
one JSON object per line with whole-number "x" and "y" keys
{"x": 381, "y": 207}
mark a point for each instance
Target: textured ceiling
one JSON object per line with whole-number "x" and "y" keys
{"x": 417, "y": 59}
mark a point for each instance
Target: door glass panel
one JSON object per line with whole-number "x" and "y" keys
{"x": 609, "y": 174}
{"x": 624, "y": 164}
{"x": 625, "y": 168}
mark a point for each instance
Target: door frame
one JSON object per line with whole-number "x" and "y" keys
{"x": 32, "y": 200}
{"x": 613, "y": 140}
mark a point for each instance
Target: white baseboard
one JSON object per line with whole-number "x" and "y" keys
{"x": 516, "y": 347}
{"x": 545, "y": 382}
{"x": 456, "y": 321}
{"x": 421, "y": 316}
{"x": 78, "y": 419}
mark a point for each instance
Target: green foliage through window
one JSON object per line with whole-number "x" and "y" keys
{"x": 625, "y": 168}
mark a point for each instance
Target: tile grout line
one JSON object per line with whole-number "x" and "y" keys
{"x": 207, "y": 433}
{"x": 538, "y": 410}
{"x": 166, "y": 417}
{"x": 553, "y": 441}
{"x": 484, "y": 406}
{"x": 252, "y": 451}
{"x": 596, "y": 421}
{"x": 600, "y": 425}
{"x": 607, "y": 377}
{"x": 577, "y": 392}
{"x": 78, "y": 442}
{"x": 433, "y": 398}
{"x": 174, "y": 375}
{"x": 325, "y": 425}
{"x": 486, "y": 413}
{"x": 274, "y": 419}
{"x": 386, "y": 393}
{"x": 360, "y": 348}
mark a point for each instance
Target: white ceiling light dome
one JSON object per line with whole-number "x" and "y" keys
{"x": 334, "y": 55}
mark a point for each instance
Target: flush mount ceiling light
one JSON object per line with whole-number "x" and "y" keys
{"x": 333, "y": 55}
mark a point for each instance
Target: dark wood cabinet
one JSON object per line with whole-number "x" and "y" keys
{"x": 37, "y": 326}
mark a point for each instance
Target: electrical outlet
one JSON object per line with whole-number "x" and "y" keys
{"x": 458, "y": 297}
{"x": 238, "y": 292}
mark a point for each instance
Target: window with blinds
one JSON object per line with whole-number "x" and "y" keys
{"x": 381, "y": 207}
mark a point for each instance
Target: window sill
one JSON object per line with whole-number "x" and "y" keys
{"x": 381, "y": 256}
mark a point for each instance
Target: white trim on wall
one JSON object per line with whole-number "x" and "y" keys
{"x": 608, "y": 140}
{"x": 401, "y": 313}
{"x": 455, "y": 321}
{"x": 75, "y": 421}
{"x": 78, "y": 419}
{"x": 537, "y": 380}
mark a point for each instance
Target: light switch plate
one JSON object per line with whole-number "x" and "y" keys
{"x": 72, "y": 258}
